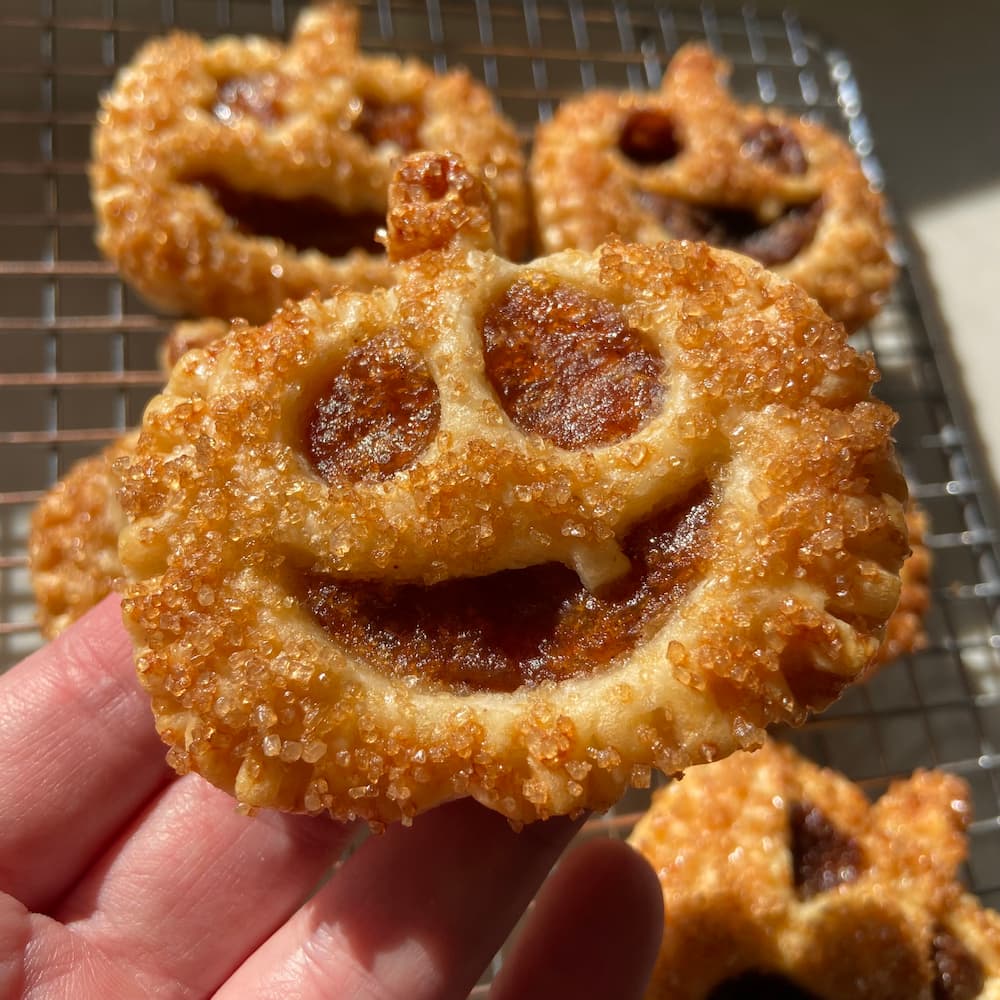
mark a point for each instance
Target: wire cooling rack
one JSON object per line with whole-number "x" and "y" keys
{"x": 78, "y": 349}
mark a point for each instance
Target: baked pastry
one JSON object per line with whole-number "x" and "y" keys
{"x": 781, "y": 880}
{"x": 906, "y": 631}
{"x": 233, "y": 174}
{"x": 73, "y": 540}
{"x": 520, "y": 532}
{"x": 73, "y": 535}
{"x": 688, "y": 162}
{"x": 187, "y": 335}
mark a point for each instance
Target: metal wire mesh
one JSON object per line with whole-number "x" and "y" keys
{"x": 77, "y": 348}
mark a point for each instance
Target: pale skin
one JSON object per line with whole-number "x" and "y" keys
{"x": 121, "y": 880}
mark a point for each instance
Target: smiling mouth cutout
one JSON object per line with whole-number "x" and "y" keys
{"x": 520, "y": 626}
{"x": 775, "y": 242}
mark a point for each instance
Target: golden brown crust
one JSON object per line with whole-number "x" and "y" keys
{"x": 186, "y": 336}
{"x": 719, "y": 154}
{"x": 788, "y": 585}
{"x": 906, "y": 632}
{"x": 737, "y": 847}
{"x": 294, "y": 128}
{"x": 73, "y": 540}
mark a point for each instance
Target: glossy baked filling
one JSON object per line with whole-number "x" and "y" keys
{"x": 776, "y": 147}
{"x": 774, "y": 242}
{"x": 823, "y": 857}
{"x": 374, "y": 414}
{"x": 521, "y": 626}
{"x": 648, "y": 137}
{"x": 307, "y": 223}
{"x": 398, "y": 122}
{"x": 568, "y": 366}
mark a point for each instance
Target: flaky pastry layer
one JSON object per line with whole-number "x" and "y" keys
{"x": 73, "y": 540}
{"x": 906, "y": 631}
{"x": 778, "y": 874}
{"x": 315, "y": 126}
{"x": 638, "y": 164}
{"x": 764, "y": 440}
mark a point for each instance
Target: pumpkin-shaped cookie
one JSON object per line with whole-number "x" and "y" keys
{"x": 520, "y": 532}
{"x": 781, "y": 880}
{"x": 689, "y": 162}
{"x": 233, "y": 174}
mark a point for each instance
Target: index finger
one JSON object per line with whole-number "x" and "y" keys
{"x": 79, "y": 755}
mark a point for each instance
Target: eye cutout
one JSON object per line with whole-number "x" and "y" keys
{"x": 397, "y": 122}
{"x": 958, "y": 973}
{"x": 255, "y": 96}
{"x": 373, "y": 414}
{"x": 568, "y": 366}
{"x": 648, "y": 137}
{"x": 823, "y": 856}
{"x": 775, "y": 146}
{"x": 520, "y": 627}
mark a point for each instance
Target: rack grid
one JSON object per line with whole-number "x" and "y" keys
{"x": 78, "y": 348}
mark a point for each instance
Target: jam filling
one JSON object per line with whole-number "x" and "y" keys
{"x": 737, "y": 229}
{"x": 374, "y": 416}
{"x": 306, "y": 223}
{"x": 256, "y": 97}
{"x": 648, "y": 137}
{"x": 522, "y": 626}
{"x": 958, "y": 974}
{"x": 567, "y": 365}
{"x": 776, "y": 147}
{"x": 397, "y": 122}
{"x": 760, "y": 986}
{"x": 822, "y": 856}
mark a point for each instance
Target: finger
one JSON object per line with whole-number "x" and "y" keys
{"x": 78, "y": 755}
{"x": 416, "y": 912}
{"x": 195, "y": 886}
{"x": 595, "y": 930}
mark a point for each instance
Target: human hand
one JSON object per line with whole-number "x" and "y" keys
{"x": 121, "y": 880}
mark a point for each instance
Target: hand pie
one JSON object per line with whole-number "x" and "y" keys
{"x": 781, "y": 880}
{"x": 906, "y": 632}
{"x": 73, "y": 540}
{"x": 519, "y": 532}
{"x": 73, "y": 537}
{"x": 688, "y": 162}
{"x": 186, "y": 336}
{"x": 233, "y": 174}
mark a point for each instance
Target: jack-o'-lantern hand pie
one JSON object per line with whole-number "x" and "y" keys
{"x": 689, "y": 162}
{"x": 781, "y": 880}
{"x": 519, "y": 532}
{"x": 231, "y": 175}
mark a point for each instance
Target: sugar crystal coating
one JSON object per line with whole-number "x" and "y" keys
{"x": 687, "y": 161}
{"x": 727, "y": 845}
{"x": 759, "y": 596}
{"x": 375, "y": 415}
{"x": 568, "y": 366}
{"x": 232, "y": 174}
